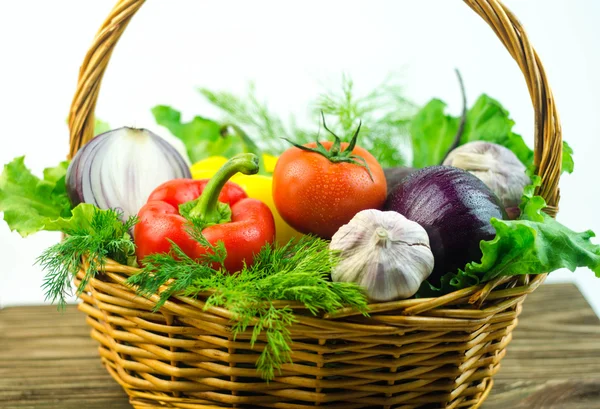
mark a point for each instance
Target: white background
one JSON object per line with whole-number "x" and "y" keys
{"x": 289, "y": 48}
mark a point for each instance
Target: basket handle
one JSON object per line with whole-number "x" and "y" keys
{"x": 547, "y": 131}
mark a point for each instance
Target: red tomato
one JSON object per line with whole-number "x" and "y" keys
{"x": 316, "y": 195}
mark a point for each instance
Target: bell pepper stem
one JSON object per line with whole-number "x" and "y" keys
{"x": 207, "y": 208}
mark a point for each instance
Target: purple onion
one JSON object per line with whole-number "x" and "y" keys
{"x": 455, "y": 209}
{"x": 120, "y": 168}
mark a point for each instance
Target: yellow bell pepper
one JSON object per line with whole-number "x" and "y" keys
{"x": 256, "y": 186}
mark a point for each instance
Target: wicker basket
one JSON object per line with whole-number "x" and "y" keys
{"x": 425, "y": 353}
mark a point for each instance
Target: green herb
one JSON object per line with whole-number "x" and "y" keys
{"x": 30, "y": 203}
{"x": 298, "y": 271}
{"x": 533, "y": 244}
{"x": 201, "y": 136}
{"x": 384, "y": 112}
{"x": 91, "y": 232}
{"x": 263, "y": 126}
{"x": 433, "y": 131}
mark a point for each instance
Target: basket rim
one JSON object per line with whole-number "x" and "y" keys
{"x": 507, "y": 287}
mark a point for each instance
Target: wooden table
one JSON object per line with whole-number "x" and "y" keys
{"x": 48, "y": 360}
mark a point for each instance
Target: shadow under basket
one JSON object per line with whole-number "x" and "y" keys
{"x": 411, "y": 354}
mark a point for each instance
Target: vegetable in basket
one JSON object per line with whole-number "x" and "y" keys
{"x": 433, "y": 132}
{"x": 320, "y": 186}
{"x": 455, "y": 209}
{"x": 118, "y": 169}
{"x": 296, "y": 272}
{"x": 534, "y": 244}
{"x": 384, "y": 108}
{"x": 498, "y": 167}
{"x": 259, "y": 186}
{"x": 30, "y": 203}
{"x": 383, "y": 252}
{"x": 220, "y": 208}
{"x": 91, "y": 234}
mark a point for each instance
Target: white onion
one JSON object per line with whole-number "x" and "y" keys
{"x": 498, "y": 167}
{"x": 120, "y": 168}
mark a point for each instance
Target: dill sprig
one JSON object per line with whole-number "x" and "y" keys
{"x": 93, "y": 233}
{"x": 385, "y": 114}
{"x": 176, "y": 269}
{"x": 298, "y": 271}
{"x": 248, "y": 112}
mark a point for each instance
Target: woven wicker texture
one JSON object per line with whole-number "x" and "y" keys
{"x": 438, "y": 353}
{"x": 426, "y": 353}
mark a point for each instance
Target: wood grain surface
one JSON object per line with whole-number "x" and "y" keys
{"x": 48, "y": 360}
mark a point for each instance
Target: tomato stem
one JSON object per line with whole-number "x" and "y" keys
{"x": 335, "y": 154}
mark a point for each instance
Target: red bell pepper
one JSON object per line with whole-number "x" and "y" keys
{"x": 222, "y": 208}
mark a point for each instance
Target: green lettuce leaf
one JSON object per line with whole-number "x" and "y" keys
{"x": 100, "y": 126}
{"x": 488, "y": 121}
{"x": 79, "y": 218}
{"x": 533, "y": 244}
{"x": 432, "y": 133}
{"x": 98, "y": 234}
{"x": 201, "y": 136}
{"x": 98, "y": 224}
{"x": 30, "y": 203}
{"x": 567, "y": 159}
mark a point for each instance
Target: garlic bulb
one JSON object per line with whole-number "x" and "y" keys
{"x": 383, "y": 252}
{"x": 498, "y": 167}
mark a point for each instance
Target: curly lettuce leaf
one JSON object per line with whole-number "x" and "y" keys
{"x": 533, "y": 244}
{"x": 79, "y": 218}
{"x": 30, "y": 203}
{"x": 567, "y": 159}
